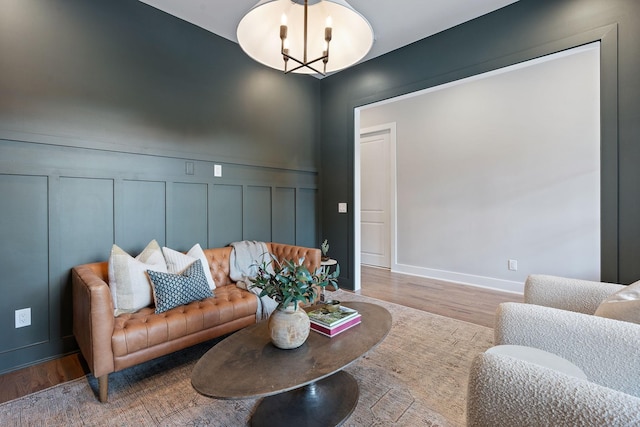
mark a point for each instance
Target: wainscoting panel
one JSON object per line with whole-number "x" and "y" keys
{"x": 141, "y": 214}
{"x": 187, "y": 216}
{"x": 257, "y": 213}
{"x": 82, "y": 223}
{"x": 65, "y": 206}
{"x": 284, "y": 215}
{"x": 306, "y": 219}
{"x": 226, "y": 221}
{"x": 23, "y": 262}
{"x": 84, "y": 220}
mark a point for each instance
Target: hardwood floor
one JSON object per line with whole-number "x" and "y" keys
{"x": 467, "y": 303}
{"x": 39, "y": 377}
{"x": 462, "y": 302}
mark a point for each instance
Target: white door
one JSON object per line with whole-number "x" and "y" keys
{"x": 375, "y": 199}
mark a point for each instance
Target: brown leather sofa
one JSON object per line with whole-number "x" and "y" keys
{"x": 110, "y": 344}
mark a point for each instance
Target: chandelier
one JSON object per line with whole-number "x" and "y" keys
{"x": 295, "y": 35}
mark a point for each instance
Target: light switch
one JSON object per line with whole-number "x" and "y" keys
{"x": 342, "y": 208}
{"x": 217, "y": 171}
{"x": 189, "y": 168}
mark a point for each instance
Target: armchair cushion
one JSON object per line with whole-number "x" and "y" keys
{"x": 504, "y": 391}
{"x": 603, "y": 348}
{"x": 623, "y": 305}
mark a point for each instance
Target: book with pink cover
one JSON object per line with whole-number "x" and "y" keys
{"x": 332, "y": 332}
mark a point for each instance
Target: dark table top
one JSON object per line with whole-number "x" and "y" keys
{"x": 246, "y": 364}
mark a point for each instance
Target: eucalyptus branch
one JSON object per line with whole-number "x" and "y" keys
{"x": 289, "y": 282}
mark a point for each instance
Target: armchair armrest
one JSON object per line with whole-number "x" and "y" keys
{"x": 93, "y": 319}
{"x": 606, "y": 350}
{"x": 582, "y": 296}
{"x": 504, "y": 391}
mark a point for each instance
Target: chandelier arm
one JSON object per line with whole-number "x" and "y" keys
{"x": 306, "y": 13}
{"x": 302, "y": 65}
{"x": 305, "y": 62}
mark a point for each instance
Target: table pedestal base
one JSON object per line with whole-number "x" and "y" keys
{"x": 328, "y": 402}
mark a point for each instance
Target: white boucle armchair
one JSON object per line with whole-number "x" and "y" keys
{"x": 557, "y": 317}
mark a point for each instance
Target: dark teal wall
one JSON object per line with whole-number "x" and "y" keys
{"x": 112, "y": 117}
{"x": 522, "y": 31}
{"x": 103, "y": 104}
{"x": 124, "y": 76}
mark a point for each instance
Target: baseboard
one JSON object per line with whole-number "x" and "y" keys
{"x": 36, "y": 354}
{"x": 461, "y": 278}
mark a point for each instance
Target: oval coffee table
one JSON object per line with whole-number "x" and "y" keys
{"x": 303, "y": 386}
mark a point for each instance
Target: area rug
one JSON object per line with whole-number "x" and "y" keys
{"x": 416, "y": 377}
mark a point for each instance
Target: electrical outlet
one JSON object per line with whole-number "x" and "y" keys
{"x": 513, "y": 264}
{"x": 342, "y": 208}
{"x": 217, "y": 171}
{"x": 23, "y": 317}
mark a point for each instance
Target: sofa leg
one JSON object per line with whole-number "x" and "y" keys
{"x": 103, "y": 385}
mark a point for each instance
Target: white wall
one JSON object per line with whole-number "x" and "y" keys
{"x": 501, "y": 166}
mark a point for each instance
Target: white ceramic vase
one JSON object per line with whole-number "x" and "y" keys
{"x": 289, "y": 327}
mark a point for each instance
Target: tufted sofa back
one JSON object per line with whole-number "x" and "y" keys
{"x": 219, "y": 264}
{"x": 311, "y": 256}
{"x": 219, "y": 261}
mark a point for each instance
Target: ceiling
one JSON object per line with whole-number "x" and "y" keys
{"x": 395, "y": 23}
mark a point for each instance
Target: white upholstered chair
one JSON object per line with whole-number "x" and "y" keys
{"x": 558, "y": 317}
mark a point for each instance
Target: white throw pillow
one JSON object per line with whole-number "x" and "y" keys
{"x": 177, "y": 262}
{"x": 623, "y": 305}
{"x": 128, "y": 279}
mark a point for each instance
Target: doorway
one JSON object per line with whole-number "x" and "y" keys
{"x": 487, "y": 202}
{"x": 377, "y": 195}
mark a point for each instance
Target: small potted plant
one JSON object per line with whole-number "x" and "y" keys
{"x": 290, "y": 283}
{"x": 324, "y": 247}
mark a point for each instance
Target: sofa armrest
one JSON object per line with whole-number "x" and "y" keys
{"x": 582, "y": 296}
{"x": 606, "y": 350}
{"x": 93, "y": 320}
{"x": 504, "y": 391}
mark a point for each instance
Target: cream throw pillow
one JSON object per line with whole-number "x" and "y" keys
{"x": 623, "y": 305}
{"x": 128, "y": 280}
{"x": 177, "y": 262}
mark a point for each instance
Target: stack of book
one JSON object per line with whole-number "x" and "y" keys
{"x": 331, "y": 323}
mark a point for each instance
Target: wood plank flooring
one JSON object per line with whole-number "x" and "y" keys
{"x": 467, "y": 303}
{"x": 41, "y": 376}
{"x": 462, "y": 302}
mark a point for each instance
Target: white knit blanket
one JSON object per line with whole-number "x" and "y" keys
{"x": 243, "y": 266}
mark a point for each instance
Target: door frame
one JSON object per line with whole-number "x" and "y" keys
{"x": 391, "y": 128}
